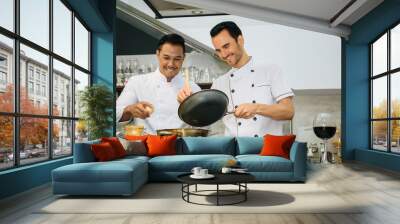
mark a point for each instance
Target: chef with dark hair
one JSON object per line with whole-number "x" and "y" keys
{"x": 258, "y": 95}
{"x": 150, "y": 99}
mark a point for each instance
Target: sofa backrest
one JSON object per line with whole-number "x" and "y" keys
{"x": 206, "y": 145}
{"x": 83, "y": 153}
{"x": 249, "y": 145}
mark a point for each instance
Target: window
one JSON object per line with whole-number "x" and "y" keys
{"x": 46, "y": 129}
{"x": 62, "y": 29}
{"x": 6, "y": 73}
{"x": 385, "y": 91}
{"x": 3, "y": 72}
{"x": 62, "y": 75}
{"x": 81, "y": 81}
{"x": 30, "y": 87}
{"x": 37, "y": 74}
{"x": 30, "y": 72}
{"x": 43, "y": 90}
{"x": 3, "y": 61}
{"x": 43, "y": 77}
{"x": 38, "y": 89}
{"x": 3, "y": 78}
{"x": 7, "y": 14}
{"x": 35, "y": 21}
{"x": 81, "y": 45}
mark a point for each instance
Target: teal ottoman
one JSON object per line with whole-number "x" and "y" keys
{"x": 118, "y": 177}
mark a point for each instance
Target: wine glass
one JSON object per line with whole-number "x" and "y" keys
{"x": 324, "y": 126}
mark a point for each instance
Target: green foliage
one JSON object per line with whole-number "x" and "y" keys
{"x": 96, "y": 102}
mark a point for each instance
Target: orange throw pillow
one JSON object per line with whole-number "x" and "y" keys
{"x": 103, "y": 152}
{"x": 277, "y": 145}
{"x": 161, "y": 145}
{"x": 116, "y": 145}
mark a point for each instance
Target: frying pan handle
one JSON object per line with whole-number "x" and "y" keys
{"x": 229, "y": 112}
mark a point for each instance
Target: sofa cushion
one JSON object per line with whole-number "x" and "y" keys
{"x": 112, "y": 171}
{"x": 206, "y": 145}
{"x": 249, "y": 145}
{"x": 132, "y": 158}
{"x": 185, "y": 163}
{"x": 257, "y": 163}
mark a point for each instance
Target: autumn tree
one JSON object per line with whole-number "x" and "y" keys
{"x": 33, "y": 130}
{"x": 380, "y": 127}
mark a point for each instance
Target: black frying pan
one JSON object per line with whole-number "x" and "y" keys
{"x": 204, "y": 107}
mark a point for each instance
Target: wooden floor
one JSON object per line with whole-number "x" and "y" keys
{"x": 377, "y": 188}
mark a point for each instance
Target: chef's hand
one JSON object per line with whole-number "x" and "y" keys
{"x": 246, "y": 110}
{"x": 184, "y": 93}
{"x": 141, "y": 109}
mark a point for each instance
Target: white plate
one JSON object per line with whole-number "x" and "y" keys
{"x": 208, "y": 176}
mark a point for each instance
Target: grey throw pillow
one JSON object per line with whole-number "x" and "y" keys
{"x": 136, "y": 148}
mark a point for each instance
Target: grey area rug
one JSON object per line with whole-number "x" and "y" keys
{"x": 166, "y": 198}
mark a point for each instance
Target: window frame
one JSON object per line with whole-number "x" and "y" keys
{"x": 388, "y": 74}
{"x": 15, "y": 72}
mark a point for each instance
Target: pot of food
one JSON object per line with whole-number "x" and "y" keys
{"x": 184, "y": 132}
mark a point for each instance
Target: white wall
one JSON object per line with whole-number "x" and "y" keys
{"x": 309, "y": 60}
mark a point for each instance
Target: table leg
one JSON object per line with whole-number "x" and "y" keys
{"x": 217, "y": 194}
{"x": 245, "y": 191}
{"x": 188, "y": 190}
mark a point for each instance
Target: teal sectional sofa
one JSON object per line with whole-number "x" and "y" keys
{"x": 125, "y": 176}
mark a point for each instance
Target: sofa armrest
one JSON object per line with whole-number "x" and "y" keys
{"x": 83, "y": 152}
{"x": 298, "y": 155}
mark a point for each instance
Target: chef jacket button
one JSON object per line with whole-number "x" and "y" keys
{"x": 231, "y": 75}
{"x": 252, "y": 70}
{"x": 256, "y": 136}
{"x": 252, "y": 85}
{"x": 236, "y": 106}
{"x": 255, "y": 118}
{"x": 254, "y": 101}
{"x": 232, "y": 90}
{"x": 239, "y": 123}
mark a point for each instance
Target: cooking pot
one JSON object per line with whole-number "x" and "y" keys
{"x": 204, "y": 107}
{"x": 183, "y": 132}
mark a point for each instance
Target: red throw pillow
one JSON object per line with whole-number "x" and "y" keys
{"x": 277, "y": 145}
{"x": 161, "y": 145}
{"x": 103, "y": 152}
{"x": 116, "y": 145}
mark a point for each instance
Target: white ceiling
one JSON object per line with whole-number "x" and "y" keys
{"x": 315, "y": 15}
{"x": 321, "y": 9}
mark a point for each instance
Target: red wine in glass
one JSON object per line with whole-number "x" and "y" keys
{"x": 324, "y": 126}
{"x": 324, "y": 133}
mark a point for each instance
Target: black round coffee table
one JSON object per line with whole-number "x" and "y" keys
{"x": 238, "y": 179}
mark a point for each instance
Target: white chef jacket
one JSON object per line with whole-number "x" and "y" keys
{"x": 255, "y": 82}
{"x": 154, "y": 88}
